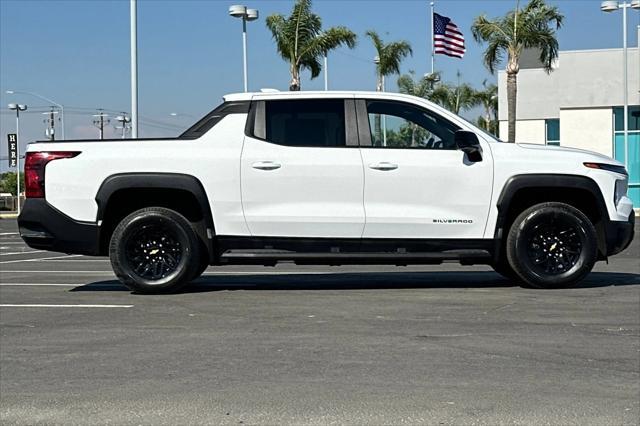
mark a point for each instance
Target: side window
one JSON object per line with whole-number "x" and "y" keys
{"x": 308, "y": 122}
{"x": 401, "y": 125}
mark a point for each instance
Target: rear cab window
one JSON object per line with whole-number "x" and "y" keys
{"x": 313, "y": 123}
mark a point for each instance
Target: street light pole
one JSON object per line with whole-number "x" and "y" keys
{"x": 11, "y": 92}
{"x": 134, "y": 68}
{"x": 247, "y": 15}
{"x": 17, "y": 108}
{"x": 611, "y": 6}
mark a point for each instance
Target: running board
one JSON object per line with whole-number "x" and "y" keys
{"x": 269, "y": 257}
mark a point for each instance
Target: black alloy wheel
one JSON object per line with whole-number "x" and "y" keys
{"x": 155, "y": 250}
{"x": 552, "y": 245}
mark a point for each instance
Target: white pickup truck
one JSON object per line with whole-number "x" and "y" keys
{"x": 326, "y": 178}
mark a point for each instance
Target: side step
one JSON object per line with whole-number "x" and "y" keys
{"x": 270, "y": 257}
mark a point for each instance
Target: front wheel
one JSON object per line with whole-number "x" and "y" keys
{"x": 552, "y": 245}
{"x": 154, "y": 250}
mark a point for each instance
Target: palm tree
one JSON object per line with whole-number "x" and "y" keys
{"x": 422, "y": 88}
{"x": 302, "y": 42}
{"x": 389, "y": 56}
{"x": 455, "y": 97}
{"x": 488, "y": 98}
{"x": 388, "y": 59}
{"x": 533, "y": 26}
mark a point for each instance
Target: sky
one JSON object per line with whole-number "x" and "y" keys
{"x": 76, "y": 52}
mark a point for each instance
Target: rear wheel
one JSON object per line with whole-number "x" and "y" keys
{"x": 154, "y": 250}
{"x": 552, "y": 245}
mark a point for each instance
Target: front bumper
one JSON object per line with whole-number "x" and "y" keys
{"x": 619, "y": 234}
{"x": 44, "y": 227}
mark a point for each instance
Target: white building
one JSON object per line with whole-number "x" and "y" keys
{"x": 579, "y": 105}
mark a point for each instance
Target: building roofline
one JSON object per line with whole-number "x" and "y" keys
{"x": 611, "y": 49}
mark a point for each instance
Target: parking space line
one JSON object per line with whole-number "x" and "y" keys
{"x": 206, "y": 273}
{"x": 21, "y": 252}
{"x": 8, "y": 233}
{"x": 38, "y": 258}
{"x": 9, "y": 305}
{"x": 55, "y": 285}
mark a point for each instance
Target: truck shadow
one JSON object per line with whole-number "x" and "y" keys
{"x": 363, "y": 281}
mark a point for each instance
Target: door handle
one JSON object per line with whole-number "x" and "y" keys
{"x": 383, "y": 166}
{"x": 266, "y": 165}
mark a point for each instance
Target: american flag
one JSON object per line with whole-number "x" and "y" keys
{"x": 447, "y": 38}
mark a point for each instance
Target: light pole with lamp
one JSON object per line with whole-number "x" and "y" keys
{"x": 17, "y": 108}
{"x": 247, "y": 15}
{"x": 20, "y": 92}
{"x": 612, "y": 6}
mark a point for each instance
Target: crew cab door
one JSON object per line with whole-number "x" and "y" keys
{"x": 301, "y": 170}
{"x": 417, "y": 184}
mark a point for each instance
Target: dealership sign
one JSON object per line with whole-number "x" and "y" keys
{"x": 13, "y": 149}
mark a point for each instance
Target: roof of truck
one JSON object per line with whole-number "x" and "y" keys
{"x": 272, "y": 93}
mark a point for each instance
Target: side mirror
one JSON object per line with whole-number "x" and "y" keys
{"x": 468, "y": 143}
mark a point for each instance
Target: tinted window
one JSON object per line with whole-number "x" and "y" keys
{"x": 401, "y": 125}
{"x": 306, "y": 122}
{"x": 553, "y": 131}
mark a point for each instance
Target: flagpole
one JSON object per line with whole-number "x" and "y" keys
{"x": 433, "y": 56}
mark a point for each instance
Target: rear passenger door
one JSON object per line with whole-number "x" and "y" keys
{"x": 301, "y": 169}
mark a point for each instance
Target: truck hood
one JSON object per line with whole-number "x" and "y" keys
{"x": 550, "y": 154}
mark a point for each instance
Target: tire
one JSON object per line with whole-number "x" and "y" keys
{"x": 552, "y": 245}
{"x": 154, "y": 250}
{"x": 203, "y": 264}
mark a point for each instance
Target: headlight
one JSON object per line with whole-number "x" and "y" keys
{"x": 621, "y": 190}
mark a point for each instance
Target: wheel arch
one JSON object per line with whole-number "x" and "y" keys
{"x": 523, "y": 191}
{"x": 121, "y": 194}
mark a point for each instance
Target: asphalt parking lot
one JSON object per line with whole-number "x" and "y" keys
{"x": 315, "y": 345}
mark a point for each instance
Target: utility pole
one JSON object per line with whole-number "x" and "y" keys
{"x": 50, "y": 131}
{"x": 100, "y": 121}
{"x": 125, "y": 123}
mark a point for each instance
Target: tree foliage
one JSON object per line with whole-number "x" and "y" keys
{"x": 487, "y": 97}
{"x": 455, "y": 97}
{"x": 532, "y": 27}
{"x": 422, "y": 88}
{"x": 389, "y": 56}
{"x": 8, "y": 182}
{"x": 302, "y": 42}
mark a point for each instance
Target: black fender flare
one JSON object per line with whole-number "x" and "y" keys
{"x": 543, "y": 180}
{"x": 178, "y": 181}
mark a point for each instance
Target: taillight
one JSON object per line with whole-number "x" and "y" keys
{"x": 34, "y": 165}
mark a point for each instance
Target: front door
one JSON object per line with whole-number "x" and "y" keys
{"x": 301, "y": 171}
{"x": 417, "y": 184}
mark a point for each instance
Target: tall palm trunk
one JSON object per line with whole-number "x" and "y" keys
{"x": 512, "y": 95}
{"x": 294, "y": 85}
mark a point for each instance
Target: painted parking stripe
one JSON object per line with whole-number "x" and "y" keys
{"x": 8, "y": 233}
{"x": 39, "y": 259}
{"x": 59, "y": 285}
{"x": 9, "y": 305}
{"x": 206, "y": 273}
{"x": 21, "y": 252}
